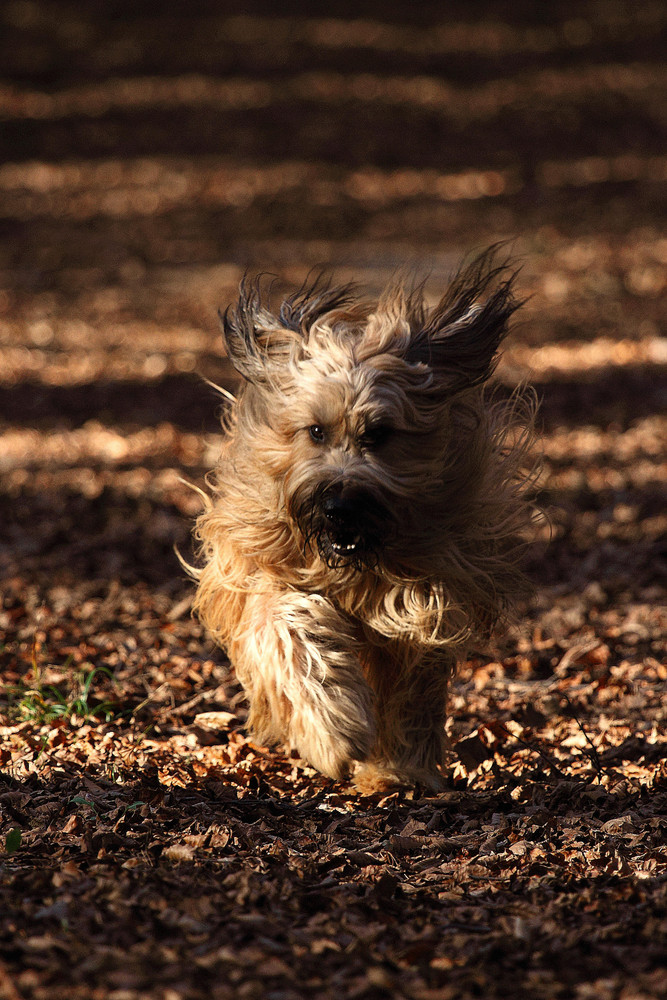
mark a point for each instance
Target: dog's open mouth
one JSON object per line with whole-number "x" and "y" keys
{"x": 347, "y": 528}
{"x": 345, "y": 545}
{"x": 342, "y": 547}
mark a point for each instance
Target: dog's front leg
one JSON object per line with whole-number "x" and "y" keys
{"x": 411, "y": 696}
{"x": 297, "y": 658}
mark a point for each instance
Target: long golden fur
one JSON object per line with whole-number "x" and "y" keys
{"x": 366, "y": 516}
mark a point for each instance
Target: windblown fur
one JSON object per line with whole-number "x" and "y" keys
{"x": 367, "y": 515}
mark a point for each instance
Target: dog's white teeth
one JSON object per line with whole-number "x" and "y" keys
{"x": 347, "y": 547}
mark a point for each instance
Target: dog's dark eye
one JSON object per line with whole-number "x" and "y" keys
{"x": 316, "y": 432}
{"x": 375, "y": 436}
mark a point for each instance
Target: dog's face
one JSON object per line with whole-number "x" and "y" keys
{"x": 355, "y": 412}
{"x": 352, "y": 447}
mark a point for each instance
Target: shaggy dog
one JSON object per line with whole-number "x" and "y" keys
{"x": 367, "y": 514}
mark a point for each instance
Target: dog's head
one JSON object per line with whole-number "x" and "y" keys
{"x": 360, "y": 413}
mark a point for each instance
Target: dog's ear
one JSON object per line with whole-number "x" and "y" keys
{"x": 239, "y": 331}
{"x": 459, "y": 339}
{"x": 256, "y": 340}
{"x": 315, "y": 298}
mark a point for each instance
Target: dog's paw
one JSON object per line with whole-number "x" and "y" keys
{"x": 334, "y": 742}
{"x": 336, "y": 755}
{"x": 380, "y": 778}
{"x": 332, "y": 724}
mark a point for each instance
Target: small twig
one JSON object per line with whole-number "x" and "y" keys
{"x": 574, "y": 655}
{"x": 533, "y": 749}
{"x": 592, "y": 754}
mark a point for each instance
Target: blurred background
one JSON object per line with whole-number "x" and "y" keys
{"x": 151, "y": 153}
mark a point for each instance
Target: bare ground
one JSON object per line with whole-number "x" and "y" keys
{"x": 149, "y": 157}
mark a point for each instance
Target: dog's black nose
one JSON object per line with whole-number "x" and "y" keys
{"x": 338, "y": 510}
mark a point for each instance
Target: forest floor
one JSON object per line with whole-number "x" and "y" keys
{"x": 151, "y": 851}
